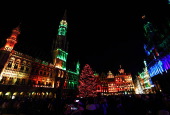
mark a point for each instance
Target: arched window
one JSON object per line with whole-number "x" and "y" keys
{"x": 23, "y": 82}
{"x": 18, "y": 81}
{"x": 16, "y": 63}
{"x": 10, "y": 81}
{"x": 23, "y": 65}
{"x": 98, "y": 88}
{"x": 47, "y": 83}
{"x": 59, "y": 73}
{"x": 62, "y": 74}
{"x": 28, "y": 66}
{"x": 10, "y": 62}
{"x": 45, "y": 71}
{"x": 58, "y": 84}
{"x": 40, "y": 72}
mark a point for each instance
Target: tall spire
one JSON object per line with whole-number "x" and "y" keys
{"x": 18, "y": 27}
{"x": 60, "y": 45}
{"x": 12, "y": 40}
{"x": 65, "y": 15}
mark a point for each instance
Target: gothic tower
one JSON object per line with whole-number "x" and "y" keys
{"x": 12, "y": 40}
{"x": 60, "y": 45}
{"x": 10, "y": 43}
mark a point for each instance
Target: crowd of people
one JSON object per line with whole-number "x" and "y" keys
{"x": 151, "y": 104}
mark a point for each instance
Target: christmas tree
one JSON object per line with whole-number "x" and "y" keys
{"x": 88, "y": 85}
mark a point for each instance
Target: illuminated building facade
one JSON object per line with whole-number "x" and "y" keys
{"x": 71, "y": 81}
{"x": 145, "y": 81}
{"x": 157, "y": 49}
{"x": 138, "y": 86}
{"x": 115, "y": 84}
{"x": 27, "y": 75}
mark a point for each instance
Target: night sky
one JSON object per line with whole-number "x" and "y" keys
{"x": 103, "y": 35}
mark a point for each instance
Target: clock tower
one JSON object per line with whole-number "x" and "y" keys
{"x": 60, "y": 45}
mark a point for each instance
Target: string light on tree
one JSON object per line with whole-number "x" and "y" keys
{"x": 88, "y": 85}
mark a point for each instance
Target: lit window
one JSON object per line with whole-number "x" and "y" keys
{"x": 16, "y": 64}
{"x": 58, "y": 84}
{"x": 40, "y": 72}
{"x": 28, "y": 66}
{"x": 23, "y": 64}
{"x": 10, "y": 62}
{"x": 62, "y": 74}
{"x": 44, "y": 73}
{"x": 59, "y": 73}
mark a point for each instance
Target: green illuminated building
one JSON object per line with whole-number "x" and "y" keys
{"x": 60, "y": 45}
{"x": 60, "y": 55}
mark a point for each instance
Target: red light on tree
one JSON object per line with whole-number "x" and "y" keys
{"x": 88, "y": 85}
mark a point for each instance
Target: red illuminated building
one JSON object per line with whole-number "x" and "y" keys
{"x": 21, "y": 74}
{"x": 115, "y": 84}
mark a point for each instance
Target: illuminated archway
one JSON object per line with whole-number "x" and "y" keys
{"x": 17, "y": 63}
{"x": 50, "y": 95}
{"x": 33, "y": 94}
{"x": 8, "y": 95}
{"x": 46, "y": 94}
{"x": 1, "y": 94}
{"x": 62, "y": 74}
{"x": 59, "y": 73}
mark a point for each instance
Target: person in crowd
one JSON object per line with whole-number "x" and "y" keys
{"x": 79, "y": 110}
{"x": 9, "y": 106}
{"x": 90, "y": 108}
{"x": 90, "y": 104}
{"x": 39, "y": 107}
{"x": 103, "y": 106}
{"x": 15, "y": 106}
{"x": 68, "y": 110}
{"x": 96, "y": 103}
{"x": 19, "y": 107}
{"x": 50, "y": 108}
{"x": 111, "y": 106}
{"x": 119, "y": 109}
{"x": 3, "y": 107}
{"x": 163, "y": 112}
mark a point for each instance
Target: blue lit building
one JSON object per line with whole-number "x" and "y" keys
{"x": 158, "y": 53}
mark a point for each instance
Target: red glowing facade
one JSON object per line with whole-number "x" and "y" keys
{"x": 12, "y": 40}
{"x": 115, "y": 84}
{"x": 18, "y": 69}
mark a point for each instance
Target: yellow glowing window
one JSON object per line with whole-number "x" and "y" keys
{"x": 62, "y": 74}
{"x": 21, "y": 93}
{"x": 59, "y": 73}
{"x": 7, "y": 93}
{"x": 58, "y": 84}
